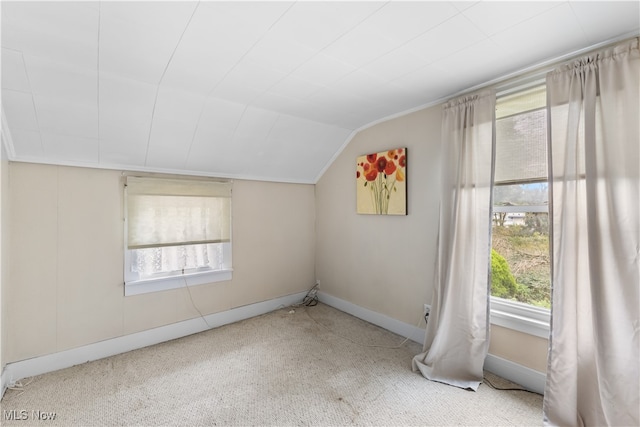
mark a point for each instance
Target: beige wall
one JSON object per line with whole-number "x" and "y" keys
{"x": 66, "y": 274}
{"x": 383, "y": 263}
{"x": 4, "y": 248}
{"x": 386, "y": 264}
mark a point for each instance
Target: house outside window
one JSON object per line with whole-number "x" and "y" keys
{"x": 177, "y": 233}
{"x": 520, "y": 258}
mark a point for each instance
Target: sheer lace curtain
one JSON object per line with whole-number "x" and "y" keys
{"x": 592, "y": 375}
{"x": 457, "y": 335}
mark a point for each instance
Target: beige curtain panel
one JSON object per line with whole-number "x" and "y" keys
{"x": 457, "y": 335}
{"x": 592, "y": 375}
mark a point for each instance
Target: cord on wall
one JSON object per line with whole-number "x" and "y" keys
{"x": 186, "y": 285}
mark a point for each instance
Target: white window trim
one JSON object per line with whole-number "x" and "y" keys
{"x": 137, "y": 287}
{"x": 521, "y": 317}
{"x": 133, "y": 285}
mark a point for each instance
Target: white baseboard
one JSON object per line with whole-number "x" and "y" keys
{"x": 389, "y": 323}
{"x": 64, "y": 359}
{"x": 526, "y": 377}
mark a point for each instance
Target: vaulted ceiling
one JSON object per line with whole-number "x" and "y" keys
{"x": 262, "y": 90}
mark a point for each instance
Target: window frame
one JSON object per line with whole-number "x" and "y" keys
{"x": 515, "y": 315}
{"x": 134, "y": 285}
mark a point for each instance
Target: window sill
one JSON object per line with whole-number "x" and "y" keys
{"x": 520, "y": 317}
{"x": 137, "y": 287}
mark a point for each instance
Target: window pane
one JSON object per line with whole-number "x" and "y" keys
{"x": 521, "y": 147}
{"x": 532, "y": 194}
{"x": 520, "y": 261}
{"x": 169, "y": 259}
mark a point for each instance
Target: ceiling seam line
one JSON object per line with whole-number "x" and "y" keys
{"x": 235, "y": 129}
{"x": 459, "y": 13}
{"x": 193, "y": 136}
{"x": 321, "y": 50}
{"x": 221, "y": 80}
{"x": 33, "y": 100}
{"x": 273, "y": 125}
{"x": 155, "y": 102}
{"x": 244, "y": 55}
{"x": 153, "y": 113}
{"x": 186, "y": 27}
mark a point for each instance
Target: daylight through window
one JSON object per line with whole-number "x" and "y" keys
{"x": 520, "y": 260}
{"x": 176, "y": 229}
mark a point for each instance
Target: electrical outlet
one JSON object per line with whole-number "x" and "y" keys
{"x": 427, "y": 309}
{"x": 318, "y": 283}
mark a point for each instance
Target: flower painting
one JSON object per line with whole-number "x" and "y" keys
{"x": 381, "y": 180}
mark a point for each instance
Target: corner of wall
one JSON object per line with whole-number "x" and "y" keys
{"x": 4, "y": 253}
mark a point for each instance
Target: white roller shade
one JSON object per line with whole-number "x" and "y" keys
{"x": 173, "y": 212}
{"x": 521, "y": 137}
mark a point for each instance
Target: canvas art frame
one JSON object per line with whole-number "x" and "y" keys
{"x": 381, "y": 183}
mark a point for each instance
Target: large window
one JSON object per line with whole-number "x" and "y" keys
{"x": 178, "y": 233}
{"x": 520, "y": 259}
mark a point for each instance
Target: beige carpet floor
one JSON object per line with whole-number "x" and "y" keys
{"x": 315, "y": 366}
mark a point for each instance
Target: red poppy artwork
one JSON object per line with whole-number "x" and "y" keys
{"x": 381, "y": 183}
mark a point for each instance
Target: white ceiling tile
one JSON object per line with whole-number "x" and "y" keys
{"x": 240, "y": 24}
{"x": 211, "y": 153}
{"x": 451, "y": 36}
{"x": 485, "y": 59}
{"x": 283, "y": 104}
{"x": 62, "y": 81}
{"x": 29, "y": 144}
{"x": 545, "y": 36}
{"x": 596, "y": 20}
{"x": 360, "y": 46}
{"x": 126, "y": 107}
{"x": 236, "y": 92}
{"x": 420, "y": 83}
{"x": 138, "y": 38}
{"x": 402, "y": 21}
{"x": 317, "y": 24}
{"x": 323, "y": 70}
{"x": 70, "y": 148}
{"x": 269, "y": 90}
{"x": 178, "y": 106}
{"x": 254, "y": 75}
{"x": 169, "y": 144}
{"x": 246, "y": 81}
{"x": 280, "y": 53}
{"x": 14, "y": 75}
{"x": 221, "y": 116}
{"x": 198, "y": 72}
{"x": 64, "y": 117}
{"x": 493, "y": 17}
{"x": 255, "y": 124}
{"x": 360, "y": 84}
{"x": 124, "y": 149}
{"x": 463, "y": 5}
{"x": 295, "y": 130}
{"x": 294, "y": 87}
{"x": 64, "y": 31}
{"x": 396, "y": 63}
{"x": 18, "y": 107}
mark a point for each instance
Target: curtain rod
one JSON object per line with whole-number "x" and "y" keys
{"x": 537, "y": 72}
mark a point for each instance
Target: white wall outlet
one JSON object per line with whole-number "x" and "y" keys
{"x": 318, "y": 283}
{"x": 427, "y": 309}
